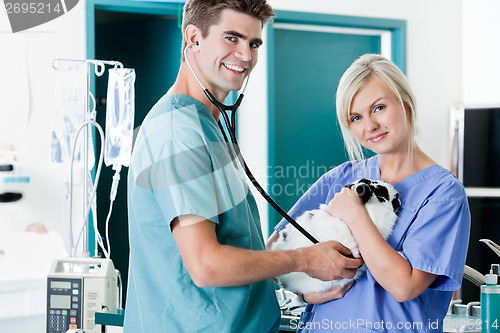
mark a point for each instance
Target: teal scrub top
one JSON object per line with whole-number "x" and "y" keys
{"x": 181, "y": 165}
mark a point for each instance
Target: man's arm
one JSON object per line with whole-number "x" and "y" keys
{"x": 317, "y": 297}
{"x": 211, "y": 264}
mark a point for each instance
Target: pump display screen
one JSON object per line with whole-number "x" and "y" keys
{"x": 60, "y": 301}
{"x": 60, "y": 284}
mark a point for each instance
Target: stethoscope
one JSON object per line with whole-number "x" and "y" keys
{"x": 232, "y": 132}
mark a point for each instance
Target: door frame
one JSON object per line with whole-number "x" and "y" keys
{"x": 397, "y": 28}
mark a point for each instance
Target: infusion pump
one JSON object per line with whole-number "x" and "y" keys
{"x": 77, "y": 288}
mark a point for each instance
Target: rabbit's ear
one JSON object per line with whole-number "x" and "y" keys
{"x": 396, "y": 203}
{"x": 365, "y": 192}
{"x": 366, "y": 181}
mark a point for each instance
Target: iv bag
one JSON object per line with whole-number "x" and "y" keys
{"x": 69, "y": 115}
{"x": 120, "y": 108}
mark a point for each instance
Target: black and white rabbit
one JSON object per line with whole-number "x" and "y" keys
{"x": 382, "y": 202}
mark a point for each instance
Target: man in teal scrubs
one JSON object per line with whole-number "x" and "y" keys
{"x": 197, "y": 255}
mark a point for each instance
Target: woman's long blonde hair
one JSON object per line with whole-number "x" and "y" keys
{"x": 354, "y": 78}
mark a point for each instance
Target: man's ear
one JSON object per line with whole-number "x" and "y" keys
{"x": 192, "y": 34}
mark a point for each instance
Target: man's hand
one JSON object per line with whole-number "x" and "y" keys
{"x": 327, "y": 261}
{"x": 328, "y": 295}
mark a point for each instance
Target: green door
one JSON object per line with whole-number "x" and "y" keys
{"x": 305, "y": 140}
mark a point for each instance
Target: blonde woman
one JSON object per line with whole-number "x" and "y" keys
{"x": 409, "y": 292}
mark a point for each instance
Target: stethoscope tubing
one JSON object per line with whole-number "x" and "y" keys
{"x": 256, "y": 184}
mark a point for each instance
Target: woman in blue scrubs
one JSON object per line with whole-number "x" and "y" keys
{"x": 410, "y": 277}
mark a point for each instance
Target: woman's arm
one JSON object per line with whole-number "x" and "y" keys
{"x": 389, "y": 268}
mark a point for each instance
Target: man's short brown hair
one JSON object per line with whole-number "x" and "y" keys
{"x": 205, "y": 13}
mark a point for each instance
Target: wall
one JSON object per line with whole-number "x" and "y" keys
{"x": 63, "y": 37}
{"x": 480, "y": 50}
{"x": 434, "y": 70}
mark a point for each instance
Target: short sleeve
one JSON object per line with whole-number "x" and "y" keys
{"x": 437, "y": 241}
{"x": 321, "y": 192}
{"x": 313, "y": 197}
{"x": 181, "y": 178}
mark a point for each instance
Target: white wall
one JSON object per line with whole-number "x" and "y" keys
{"x": 451, "y": 50}
{"x": 63, "y": 37}
{"x": 434, "y": 70}
{"x": 480, "y": 52}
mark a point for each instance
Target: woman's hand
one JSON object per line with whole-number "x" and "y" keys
{"x": 328, "y": 295}
{"x": 346, "y": 205}
{"x": 273, "y": 238}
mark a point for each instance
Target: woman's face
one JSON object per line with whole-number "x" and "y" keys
{"x": 377, "y": 119}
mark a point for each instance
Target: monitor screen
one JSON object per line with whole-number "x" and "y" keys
{"x": 481, "y": 147}
{"x": 60, "y": 301}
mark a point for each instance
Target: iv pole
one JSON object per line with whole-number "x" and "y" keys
{"x": 99, "y": 67}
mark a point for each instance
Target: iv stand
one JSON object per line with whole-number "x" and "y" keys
{"x": 99, "y": 67}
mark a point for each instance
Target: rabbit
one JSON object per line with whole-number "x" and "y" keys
{"x": 381, "y": 201}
